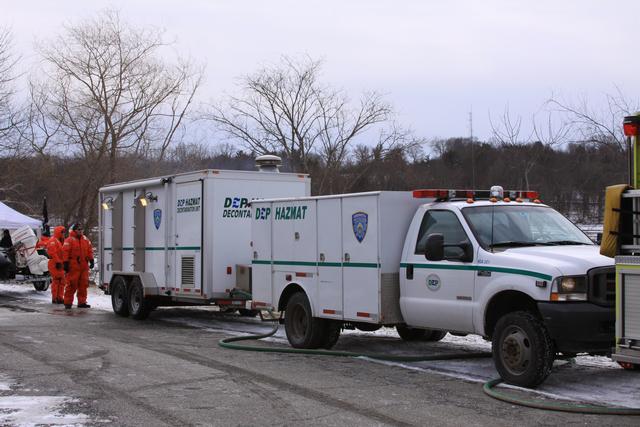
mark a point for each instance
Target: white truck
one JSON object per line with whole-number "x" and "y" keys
{"x": 498, "y": 264}
{"x": 181, "y": 239}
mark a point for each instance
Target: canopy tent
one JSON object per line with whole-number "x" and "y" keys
{"x": 12, "y": 219}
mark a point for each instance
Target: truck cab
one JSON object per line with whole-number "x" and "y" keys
{"x": 513, "y": 270}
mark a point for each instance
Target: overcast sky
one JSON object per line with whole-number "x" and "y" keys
{"x": 434, "y": 60}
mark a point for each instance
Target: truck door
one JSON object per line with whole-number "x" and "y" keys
{"x": 188, "y": 237}
{"x": 329, "y": 258}
{"x": 439, "y": 294}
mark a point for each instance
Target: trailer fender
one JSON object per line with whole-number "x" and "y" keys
{"x": 148, "y": 280}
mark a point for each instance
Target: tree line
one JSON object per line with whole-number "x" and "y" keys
{"x": 110, "y": 102}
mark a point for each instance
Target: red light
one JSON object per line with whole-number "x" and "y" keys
{"x": 430, "y": 194}
{"x": 531, "y": 194}
{"x": 631, "y": 129}
{"x": 229, "y": 270}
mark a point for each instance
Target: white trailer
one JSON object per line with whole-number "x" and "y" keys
{"x": 181, "y": 239}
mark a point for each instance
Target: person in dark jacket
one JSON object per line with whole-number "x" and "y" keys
{"x": 6, "y": 242}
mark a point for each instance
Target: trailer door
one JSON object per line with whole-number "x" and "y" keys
{"x": 188, "y": 237}
{"x": 329, "y": 258}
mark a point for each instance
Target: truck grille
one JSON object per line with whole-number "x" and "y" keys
{"x": 602, "y": 286}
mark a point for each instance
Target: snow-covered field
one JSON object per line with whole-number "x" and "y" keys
{"x": 584, "y": 378}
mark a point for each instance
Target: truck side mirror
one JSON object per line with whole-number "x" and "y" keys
{"x": 434, "y": 248}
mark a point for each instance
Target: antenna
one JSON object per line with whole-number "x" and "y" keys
{"x": 473, "y": 154}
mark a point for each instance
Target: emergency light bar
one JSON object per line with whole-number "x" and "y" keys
{"x": 442, "y": 195}
{"x": 631, "y": 125}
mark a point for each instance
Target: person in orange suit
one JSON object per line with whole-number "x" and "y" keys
{"x": 56, "y": 265}
{"x": 44, "y": 239}
{"x": 78, "y": 259}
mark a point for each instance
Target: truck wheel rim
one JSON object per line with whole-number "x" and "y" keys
{"x": 299, "y": 321}
{"x": 118, "y": 298}
{"x": 135, "y": 301}
{"x": 515, "y": 350}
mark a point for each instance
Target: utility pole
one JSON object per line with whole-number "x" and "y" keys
{"x": 473, "y": 154}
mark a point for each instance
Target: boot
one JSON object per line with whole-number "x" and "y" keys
{"x": 84, "y": 305}
{"x": 67, "y": 306}
{"x": 60, "y": 301}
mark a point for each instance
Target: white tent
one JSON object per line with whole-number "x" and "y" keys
{"x": 11, "y": 219}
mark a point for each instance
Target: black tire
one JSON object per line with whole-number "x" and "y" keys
{"x": 119, "y": 297}
{"x": 332, "y": 333}
{"x": 435, "y": 335}
{"x": 303, "y": 330}
{"x": 139, "y": 306}
{"x": 41, "y": 285}
{"x": 410, "y": 334}
{"x": 244, "y": 312}
{"x": 522, "y": 349}
{"x": 367, "y": 327}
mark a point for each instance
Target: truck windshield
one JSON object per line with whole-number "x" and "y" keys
{"x": 515, "y": 226}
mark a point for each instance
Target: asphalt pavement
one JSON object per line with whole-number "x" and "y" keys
{"x": 161, "y": 372}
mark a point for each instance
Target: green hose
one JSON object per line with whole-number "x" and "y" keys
{"x": 578, "y": 408}
{"x": 229, "y": 343}
{"x": 488, "y": 387}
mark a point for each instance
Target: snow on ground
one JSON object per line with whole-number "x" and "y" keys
{"x": 17, "y": 409}
{"x": 584, "y": 378}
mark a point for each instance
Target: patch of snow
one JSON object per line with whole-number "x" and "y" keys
{"x": 38, "y": 410}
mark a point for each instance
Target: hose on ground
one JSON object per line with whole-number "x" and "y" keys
{"x": 488, "y": 387}
{"x": 230, "y": 344}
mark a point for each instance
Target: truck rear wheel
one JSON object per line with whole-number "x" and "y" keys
{"x": 139, "y": 306}
{"x": 435, "y": 335}
{"x": 411, "y": 334}
{"x": 303, "y": 330}
{"x": 41, "y": 285}
{"x": 332, "y": 333}
{"x": 522, "y": 349}
{"x": 119, "y": 301}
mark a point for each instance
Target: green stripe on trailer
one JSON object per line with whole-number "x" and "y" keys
{"x": 480, "y": 268}
{"x": 161, "y": 248}
{"x": 317, "y": 264}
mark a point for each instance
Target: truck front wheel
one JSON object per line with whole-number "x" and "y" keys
{"x": 522, "y": 349}
{"x": 303, "y": 330}
{"x": 411, "y": 334}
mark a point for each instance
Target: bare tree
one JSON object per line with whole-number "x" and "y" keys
{"x": 111, "y": 93}
{"x": 286, "y": 109}
{"x": 107, "y": 93}
{"x": 9, "y": 114}
{"x": 601, "y": 126}
{"x": 507, "y": 132}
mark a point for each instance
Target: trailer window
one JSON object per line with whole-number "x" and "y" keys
{"x": 447, "y": 223}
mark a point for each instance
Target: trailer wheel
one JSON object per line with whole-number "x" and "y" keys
{"x": 119, "y": 301}
{"x": 522, "y": 349}
{"x": 435, "y": 335}
{"x": 41, "y": 285}
{"x": 139, "y": 306}
{"x": 332, "y": 334}
{"x": 410, "y": 334}
{"x": 303, "y": 330}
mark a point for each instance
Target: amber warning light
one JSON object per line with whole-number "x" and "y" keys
{"x": 471, "y": 195}
{"x": 631, "y": 125}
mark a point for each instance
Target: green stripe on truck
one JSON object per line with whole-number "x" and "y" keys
{"x": 480, "y": 268}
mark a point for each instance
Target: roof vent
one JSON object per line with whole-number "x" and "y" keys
{"x": 268, "y": 163}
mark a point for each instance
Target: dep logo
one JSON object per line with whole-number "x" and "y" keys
{"x": 157, "y": 218}
{"x": 433, "y": 282}
{"x": 236, "y": 207}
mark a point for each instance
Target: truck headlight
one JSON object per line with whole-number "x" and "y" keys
{"x": 569, "y": 288}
